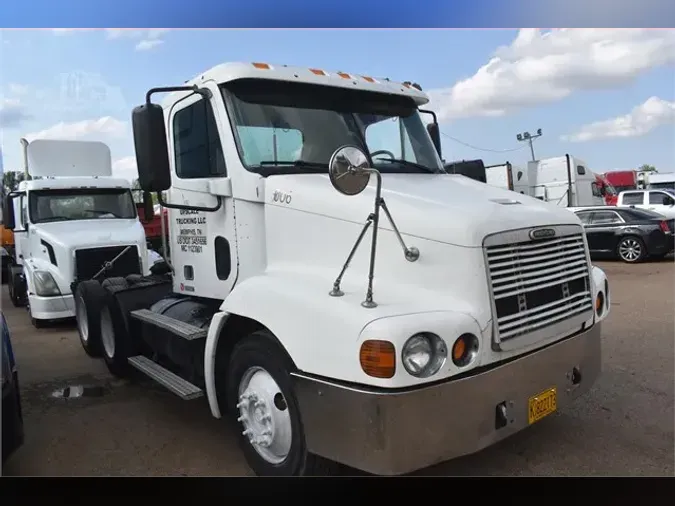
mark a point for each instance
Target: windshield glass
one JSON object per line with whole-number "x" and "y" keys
{"x": 286, "y": 128}
{"x": 75, "y": 204}
{"x": 669, "y": 185}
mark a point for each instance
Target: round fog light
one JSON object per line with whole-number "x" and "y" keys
{"x": 599, "y": 304}
{"x": 424, "y": 354}
{"x": 464, "y": 350}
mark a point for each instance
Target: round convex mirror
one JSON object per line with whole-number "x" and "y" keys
{"x": 348, "y": 170}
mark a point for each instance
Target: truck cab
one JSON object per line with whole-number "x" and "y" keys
{"x": 329, "y": 285}
{"x": 565, "y": 181}
{"x": 661, "y": 201}
{"x": 71, "y": 221}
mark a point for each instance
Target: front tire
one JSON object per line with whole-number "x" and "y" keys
{"x": 90, "y": 297}
{"x": 261, "y": 400}
{"x": 631, "y": 250}
{"x": 15, "y": 289}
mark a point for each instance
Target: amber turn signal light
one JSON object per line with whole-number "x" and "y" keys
{"x": 378, "y": 358}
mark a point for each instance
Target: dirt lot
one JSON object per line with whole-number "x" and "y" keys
{"x": 624, "y": 426}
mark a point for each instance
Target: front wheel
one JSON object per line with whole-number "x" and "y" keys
{"x": 631, "y": 250}
{"x": 261, "y": 398}
{"x": 90, "y": 297}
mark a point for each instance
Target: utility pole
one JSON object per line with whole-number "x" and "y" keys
{"x": 527, "y": 137}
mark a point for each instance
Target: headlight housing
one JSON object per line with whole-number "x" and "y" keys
{"x": 424, "y": 354}
{"x": 45, "y": 285}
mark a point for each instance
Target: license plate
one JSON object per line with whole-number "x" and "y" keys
{"x": 542, "y": 405}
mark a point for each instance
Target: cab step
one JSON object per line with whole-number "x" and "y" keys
{"x": 176, "y": 327}
{"x": 182, "y": 388}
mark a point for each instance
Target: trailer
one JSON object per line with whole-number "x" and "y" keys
{"x": 72, "y": 222}
{"x": 416, "y": 347}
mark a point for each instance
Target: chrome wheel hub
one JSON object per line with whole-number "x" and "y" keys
{"x": 630, "y": 250}
{"x": 264, "y": 415}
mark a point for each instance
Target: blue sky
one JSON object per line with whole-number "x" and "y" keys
{"x": 605, "y": 96}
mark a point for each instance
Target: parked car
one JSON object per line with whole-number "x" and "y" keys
{"x": 12, "y": 417}
{"x": 632, "y": 235}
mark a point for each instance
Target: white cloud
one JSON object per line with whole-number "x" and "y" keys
{"x": 97, "y": 128}
{"x": 125, "y": 168}
{"x": 12, "y": 113}
{"x": 17, "y": 89}
{"x": 644, "y": 118}
{"x": 147, "y": 44}
{"x": 148, "y": 38}
{"x": 69, "y": 31}
{"x": 539, "y": 68}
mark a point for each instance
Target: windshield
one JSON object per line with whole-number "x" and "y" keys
{"x": 284, "y": 128}
{"x": 669, "y": 185}
{"x": 80, "y": 204}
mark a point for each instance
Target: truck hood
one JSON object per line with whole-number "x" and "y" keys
{"x": 448, "y": 208}
{"x": 90, "y": 233}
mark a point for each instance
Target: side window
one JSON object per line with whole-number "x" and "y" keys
{"x": 585, "y": 217}
{"x": 633, "y": 199}
{"x": 197, "y": 146}
{"x": 595, "y": 189}
{"x": 581, "y": 170}
{"x": 660, "y": 199}
{"x": 24, "y": 211}
{"x": 603, "y": 217}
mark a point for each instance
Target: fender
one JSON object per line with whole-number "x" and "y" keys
{"x": 324, "y": 339}
{"x": 39, "y": 264}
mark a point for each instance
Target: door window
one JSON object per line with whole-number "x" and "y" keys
{"x": 605, "y": 217}
{"x": 633, "y": 199}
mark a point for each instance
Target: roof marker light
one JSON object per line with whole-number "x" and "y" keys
{"x": 344, "y": 75}
{"x": 262, "y": 66}
{"x": 318, "y": 72}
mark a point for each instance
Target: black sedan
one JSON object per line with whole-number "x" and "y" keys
{"x": 629, "y": 234}
{"x": 12, "y": 418}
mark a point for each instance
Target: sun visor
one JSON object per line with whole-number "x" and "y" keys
{"x": 61, "y": 158}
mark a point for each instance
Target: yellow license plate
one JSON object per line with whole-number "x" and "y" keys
{"x": 542, "y": 405}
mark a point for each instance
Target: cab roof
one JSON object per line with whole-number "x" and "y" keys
{"x": 227, "y": 72}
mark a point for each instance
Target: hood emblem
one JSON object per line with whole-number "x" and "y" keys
{"x": 542, "y": 233}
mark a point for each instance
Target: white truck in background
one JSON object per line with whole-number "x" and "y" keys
{"x": 661, "y": 201}
{"x": 565, "y": 181}
{"x": 73, "y": 222}
{"x": 274, "y": 177}
{"x": 661, "y": 181}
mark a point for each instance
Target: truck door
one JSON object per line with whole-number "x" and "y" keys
{"x": 203, "y": 244}
{"x": 662, "y": 203}
{"x": 21, "y": 246}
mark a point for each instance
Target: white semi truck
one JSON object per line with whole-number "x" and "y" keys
{"x": 461, "y": 315}
{"x": 71, "y": 223}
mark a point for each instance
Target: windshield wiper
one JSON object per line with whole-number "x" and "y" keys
{"x": 100, "y": 211}
{"x": 297, "y": 163}
{"x": 407, "y": 163}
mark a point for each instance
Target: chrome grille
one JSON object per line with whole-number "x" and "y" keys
{"x": 538, "y": 283}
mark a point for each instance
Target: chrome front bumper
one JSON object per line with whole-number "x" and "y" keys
{"x": 391, "y": 433}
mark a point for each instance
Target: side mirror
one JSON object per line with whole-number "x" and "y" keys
{"x": 348, "y": 170}
{"x": 435, "y": 134}
{"x": 8, "y": 218}
{"x": 152, "y": 152}
{"x": 148, "y": 207}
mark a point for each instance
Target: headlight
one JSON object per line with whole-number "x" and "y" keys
{"x": 424, "y": 354}
{"x": 45, "y": 286}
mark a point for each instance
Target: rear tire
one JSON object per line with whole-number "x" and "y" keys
{"x": 115, "y": 339}
{"x": 259, "y": 388}
{"x": 90, "y": 297}
{"x": 631, "y": 250}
